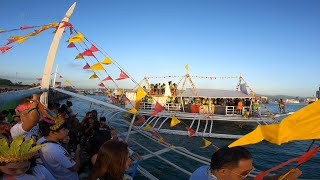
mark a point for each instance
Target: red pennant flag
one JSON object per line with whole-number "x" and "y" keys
{"x": 154, "y": 134}
{"x": 87, "y": 52}
{"x": 65, "y": 24}
{"x": 93, "y": 48}
{"x": 39, "y": 79}
{"x": 125, "y": 99}
{"x": 87, "y": 66}
{"x": 107, "y": 78}
{"x": 158, "y": 108}
{"x": 71, "y": 30}
{"x": 101, "y": 85}
{"x": 4, "y": 49}
{"x": 216, "y": 148}
{"x": 25, "y": 27}
{"x": 71, "y": 45}
{"x": 11, "y": 41}
{"x": 122, "y": 76}
{"x": 140, "y": 120}
{"x": 60, "y": 76}
{"x": 191, "y": 131}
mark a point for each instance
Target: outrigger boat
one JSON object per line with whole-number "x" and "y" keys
{"x": 205, "y": 118}
{"x": 134, "y": 135}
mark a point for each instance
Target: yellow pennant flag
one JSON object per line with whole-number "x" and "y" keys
{"x": 79, "y": 56}
{"x": 161, "y": 140}
{"x": 22, "y": 40}
{"x": 133, "y": 111}
{"x": 174, "y": 121}
{"x": 187, "y": 67}
{"x": 206, "y": 143}
{"x": 120, "y": 92}
{"x": 97, "y": 66}
{"x": 108, "y": 92}
{"x": 79, "y": 35}
{"x": 75, "y": 40}
{"x": 148, "y": 128}
{"x": 33, "y": 34}
{"x": 16, "y": 37}
{"x": 107, "y": 61}
{"x": 126, "y": 115}
{"x": 301, "y": 125}
{"x": 140, "y": 94}
{"x": 67, "y": 82}
{"x": 93, "y": 76}
{"x": 137, "y": 104}
{"x": 53, "y": 24}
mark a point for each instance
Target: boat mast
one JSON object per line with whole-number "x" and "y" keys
{"x": 51, "y": 56}
{"x": 55, "y": 76}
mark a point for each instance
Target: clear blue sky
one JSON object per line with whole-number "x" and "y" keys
{"x": 275, "y": 44}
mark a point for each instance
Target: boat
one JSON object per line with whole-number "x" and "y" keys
{"x": 204, "y": 118}
{"x": 134, "y": 135}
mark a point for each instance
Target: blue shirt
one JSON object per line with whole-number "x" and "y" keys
{"x": 203, "y": 173}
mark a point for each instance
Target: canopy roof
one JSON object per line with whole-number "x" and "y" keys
{"x": 215, "y": 93}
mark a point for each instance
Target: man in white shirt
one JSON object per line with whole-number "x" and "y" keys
{"x": 55, "y": 157}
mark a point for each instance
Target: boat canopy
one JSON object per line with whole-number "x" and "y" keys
{"x": 215, "y": 93}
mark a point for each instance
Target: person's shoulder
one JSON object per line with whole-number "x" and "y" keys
{"x": 201, "y": 173}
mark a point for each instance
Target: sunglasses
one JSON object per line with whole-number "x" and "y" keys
{"x": 243, "y": 176}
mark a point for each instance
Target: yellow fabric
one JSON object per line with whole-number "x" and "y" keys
{"x": 107, "y": 61}
{"x": 133, "y": 111}
{"x": 140, "y": 94}
{"x": 187, "y": 67}
{"x": 93, "y": 76}
{"x": 148, "y": 128}
{"x": 45, "y": 27}
{"x": 206, "y": 143}
{"x": 161, "y": 140}
{"x": 301, "y": 125}
{"x": 108, "y": 92}
{"x": 79, "y": 56}
{"x": 53, "y": 24}
{"x": 16, "y": 37}
{"x": 22, "y": 40}
{"x": 97, "y": 66}
{"x": 174, "y": 121}
{"x": 67, "y": 82}
{"x": 76, "y": 38}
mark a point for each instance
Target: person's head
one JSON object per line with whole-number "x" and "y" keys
{"x": 15, "y": 168}
{"x": 231, "y": 163}
{"x": 94, "y": 113}
{"x": 58, "y": 134}
{"x": 112, "y": 160}
{"x": 103, "y": 120}
{"x": 69, "y": 103}
{"x": 16, "y": 118}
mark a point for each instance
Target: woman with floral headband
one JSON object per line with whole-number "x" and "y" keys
{"x": 15, "y": 161}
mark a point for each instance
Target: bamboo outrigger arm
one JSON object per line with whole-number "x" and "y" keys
{"x": 51, "y": 56}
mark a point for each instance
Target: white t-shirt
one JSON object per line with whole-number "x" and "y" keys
{"x": 39, "y": 172}
{"x": 203, "y": 173}
{"x": 57, "y": 160}
{"x": 17, "y": 130}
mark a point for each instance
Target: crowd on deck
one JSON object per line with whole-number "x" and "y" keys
{"x": 52, "y": 143}
{"x": 159, "y": 89}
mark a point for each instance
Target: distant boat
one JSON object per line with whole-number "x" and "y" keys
{"x": 295, "y": 101}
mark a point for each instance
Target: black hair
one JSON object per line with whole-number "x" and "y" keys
{"x": 103, "y": 119}
{"x": 5, "y": 112}
{"x": 229, "y": 157}
{"x": 62, "y": 110}
{"x": 45, "y": 128}
{"x": 94, "y": 111}
{"x": 69, "y": 103}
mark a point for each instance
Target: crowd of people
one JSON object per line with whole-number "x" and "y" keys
{"x": 53, "y": 144}
{"x": 159, "y": 89}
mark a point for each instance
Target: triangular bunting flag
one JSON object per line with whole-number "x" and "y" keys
{"x": 174, "y": 121}
{"x": 87, "y": 52}
{"x": 133, "y": 111}
{"x": 154, "y": 134}
{"x": 93, "y": 48}
{"x": 60, "y": 76}
{"x": 39, "y": 79}
{"x": 108, "y": 92}
{"x": 140, "y": 120}
{"x": 107, "y": 78}
{"x": 161, "y": 140}
{"x": 140, "y": 94}
{"x": 22, "y": 40}
{"x": 77, "y": 38}
{"x": 71, "y": 30}
{"x": 206, "y": 143}
{"x": 4, "y": 49}
{"x": 137, "y": 104}
{"x": 123, "y": 75}
{"x": 101, "y": 85}
{"x": 66, "y": 24}
{"x": 107, "y": 61}
{"x": 126, "y": 115}
{"x": 26, "y": 27}
{"x": 16, "y": 37}
{"x": 10, "y": 41}
{"x": 79, "y": 56}
{"x": 97, "y": 67}
{"x": 148, "y": 128}
{"x": 87, "y": 66}
{"x": 71, "y": 45}
{"x": 158, "y": 108}
{"x": 191, "y": 131}
{"x": 125, "y": 99}
{"x": 66, "y": 82}
{"x": 93, "y": 76}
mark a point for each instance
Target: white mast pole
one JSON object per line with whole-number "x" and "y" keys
{"x": 51, "y": 56}
{"x": 55, "y": 76}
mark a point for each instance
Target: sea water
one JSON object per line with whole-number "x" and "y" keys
{"x": 265, "y": 155}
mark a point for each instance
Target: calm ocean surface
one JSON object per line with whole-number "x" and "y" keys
{"x": 265, "y": 155}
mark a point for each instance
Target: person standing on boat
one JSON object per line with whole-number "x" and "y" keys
{"x": 282, "y": 106}
{"x": 233, "y": 163}
{"x": 255, "y": 108}
{"x": 239, "y": 107}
